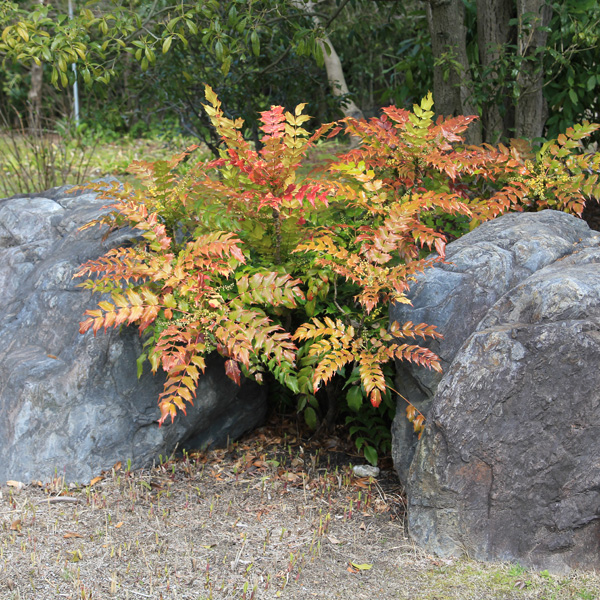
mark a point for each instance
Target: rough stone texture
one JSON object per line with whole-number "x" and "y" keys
{"x": 456, "y": 295}
{"x": 71, "y": 404}
{"x": 509, "y": 465}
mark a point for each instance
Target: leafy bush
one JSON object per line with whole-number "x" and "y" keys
{"x": 561, "y": 174}
{"x": 293, "y": 277}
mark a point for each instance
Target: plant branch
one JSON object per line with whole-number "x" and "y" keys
{"x": 335, "y": 14}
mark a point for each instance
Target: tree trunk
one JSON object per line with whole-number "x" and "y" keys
{"x": 530, "y": 112}
{"x": 494, "y": 32}
{"x": 446, "y": 19}
{"x": 34, "y": 98}
{"x": 333, "y": 66}
{"x": 337, "y": 81}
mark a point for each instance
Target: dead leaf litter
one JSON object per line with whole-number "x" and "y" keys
{"x": 269, "y": 517}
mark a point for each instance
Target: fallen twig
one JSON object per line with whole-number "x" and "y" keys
{"x": 58, "y": 499}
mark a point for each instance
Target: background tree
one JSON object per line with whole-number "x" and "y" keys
{"x": 451, "y": 74}
{"x": 501, "y": 59}
{"x": 518, "y": 64}
{"x": 204, "y": 41}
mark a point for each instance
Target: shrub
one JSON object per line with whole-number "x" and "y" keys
{"x": 292, "y": 275}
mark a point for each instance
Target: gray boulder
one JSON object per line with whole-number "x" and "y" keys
{"x": 456, "y": 295}
{"x": 508, "y": 465}
{"x": 72, "y": 405}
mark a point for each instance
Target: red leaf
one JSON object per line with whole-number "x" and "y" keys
{"x": 233, "y": 371}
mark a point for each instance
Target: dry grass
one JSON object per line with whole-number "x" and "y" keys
{"x": 271, "y": 517}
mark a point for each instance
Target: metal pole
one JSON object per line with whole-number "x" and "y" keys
{"x": 75, "y": 88}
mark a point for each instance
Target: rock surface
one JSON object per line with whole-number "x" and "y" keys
{"x": 509, "y": 465}
{"x": 456, "y": 295}
{"x": 72, "y": 405}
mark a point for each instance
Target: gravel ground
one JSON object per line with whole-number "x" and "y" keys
{"x": 271, "y": 517}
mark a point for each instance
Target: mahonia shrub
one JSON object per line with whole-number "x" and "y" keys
{"x": 293, "y": 275}
{"x": 562, "y": 174}
{"x": 412, "y": 183}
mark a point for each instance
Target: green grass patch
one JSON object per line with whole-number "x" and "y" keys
{"x": 470, "y": 580}
{"x": 31, "y": 162}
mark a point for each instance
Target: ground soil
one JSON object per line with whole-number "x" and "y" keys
{"x": 272, "y": 516}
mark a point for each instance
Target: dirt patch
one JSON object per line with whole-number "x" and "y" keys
{"x": 271, "y": 517}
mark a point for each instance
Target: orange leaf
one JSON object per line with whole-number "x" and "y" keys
{"x": 16, "y": 484}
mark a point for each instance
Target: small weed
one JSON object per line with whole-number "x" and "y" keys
{"x": 516, "y": 570}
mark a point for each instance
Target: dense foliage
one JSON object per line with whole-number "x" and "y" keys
{"x": 153, "y": 55}
{"x": 288, "y": 275}
{"x": 291, "y": 275}
{"x": 141, "y": 58}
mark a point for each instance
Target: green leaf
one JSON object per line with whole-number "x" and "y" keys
{"x": 310, "y": 416}
{"x": 22, "y": 31}
{"x": 140, "y": 364}
{"x": 573, "y": 96}
{"x": 255, "y": 41}
{"x": 361, "y": 566}
{"x": 167, "y": 44}
{"x": 171, "y": 24}
{"x": 313, "y": 402}
{"x": 370, "y": 454}
{"x": 226, "y": 65}
{"x": 219, "y": 50}
{"x": 191, "y": 26}
{"x": 354, "y": 397}
{"x": 301, "y": 403}
{"x": 241, "y": 25}
{"x": 318, "y": 54}
{"x": 591, "y": 83}
{"x": 292, "y": 384}
{"x": 149, "y": 54}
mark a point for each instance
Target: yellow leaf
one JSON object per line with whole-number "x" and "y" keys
{"x": 361, "y": 567}
{"x": 299, "y": 109}
{"x": 75, "y": 555}
{"x": 119, "y": 525}
{"x": 22, "y": 31}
